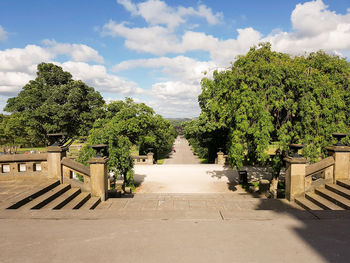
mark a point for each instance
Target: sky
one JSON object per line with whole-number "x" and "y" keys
{"x": 156, "y": 51}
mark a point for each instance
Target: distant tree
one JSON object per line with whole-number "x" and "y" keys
{"x": 54, "y": 102}
{"x": 13, "y": 130}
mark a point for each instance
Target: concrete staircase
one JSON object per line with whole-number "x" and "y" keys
{"x": 327, "y": 197}
{"x": 53, "y": 196}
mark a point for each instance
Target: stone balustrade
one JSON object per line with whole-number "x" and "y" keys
{"x": 300, "y": 174}
{"x": 54, "y": 164}
{"x": 23, "y": 165}
{"x": 70, "y": 168}
{"x": 143, "y": 159}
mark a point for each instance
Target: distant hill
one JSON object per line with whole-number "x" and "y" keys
{"x": 177, "y": 123}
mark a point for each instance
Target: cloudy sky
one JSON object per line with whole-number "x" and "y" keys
{"x": 157, "y": 51}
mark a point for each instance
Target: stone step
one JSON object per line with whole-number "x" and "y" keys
{"x": 46, "y": 198}
{"x": 26, "y": 197}
{"x": 307, "y": 204}
{"x": 78, "y": 201}
{"x": 322, "y": 202}
{"x": 333, "y": 197}
{"x": 63, "y": 199}
{"x": 339, "y": 190}
{"x": 91, "y": 203}
{"x": 344, "y": 183}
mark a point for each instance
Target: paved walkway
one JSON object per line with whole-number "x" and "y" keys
{"x": 174, "y": 236}
{"x": 183, "y": 173}
{"x": 187, "y": 178}
{"x": 183, "y": 154}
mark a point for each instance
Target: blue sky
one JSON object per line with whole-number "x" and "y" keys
{"x": 157, "y": 51}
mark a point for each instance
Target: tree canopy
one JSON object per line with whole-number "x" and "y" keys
{"x": 126, "y": 124}
{"x": 54, "y": 102}
{"x": 270, "y": 97}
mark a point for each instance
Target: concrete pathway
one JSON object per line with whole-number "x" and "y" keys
{"x": 183, "y": 154}
{"x": 174, "y": 236}
{"x": 187, "y": 178}
{"x": 183, "y": 173}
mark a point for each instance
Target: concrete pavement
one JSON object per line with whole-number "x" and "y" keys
{"x": 245, "y": 236}
{"x": 183, "y": 154}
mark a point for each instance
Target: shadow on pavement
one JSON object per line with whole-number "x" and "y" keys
{"x": 326, "y": 232}
{"x": 231, "y": 175}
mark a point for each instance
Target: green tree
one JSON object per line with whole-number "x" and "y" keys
{"x": 126, "y": 124}
{"x": 54, "y": 102}
{"x": 271, "y": 97}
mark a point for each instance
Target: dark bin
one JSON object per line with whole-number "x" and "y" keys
{"x": 243, "y": 177}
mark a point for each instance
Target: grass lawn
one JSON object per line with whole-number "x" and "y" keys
{"x": 160, "y": 161}
{"x": 36, "y": 149}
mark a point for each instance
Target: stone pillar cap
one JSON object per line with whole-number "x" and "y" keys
{"x": 55, "y": 149}
{"x": 296, "y": 160}
{"x": 98, "y": 160}
{"x": 335, "y": 148}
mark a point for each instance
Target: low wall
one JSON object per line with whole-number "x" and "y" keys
{"x": 24, "y": 165}
{"x": 143, "y": 159}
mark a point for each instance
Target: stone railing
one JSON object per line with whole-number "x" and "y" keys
{"x": 300, "y": 174}
{"x": 70, "y": 168}
{"x": 55, "y": 165}
{"x": 319, "y": 173}
{"x": 95, "y": 177}
{"x": 23, "y": 165}
{"x": 143, "y": 159}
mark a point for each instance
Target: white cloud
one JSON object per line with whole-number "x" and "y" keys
{"x": 156, "y": 40}
{"x": 98, "y": 77}
{"x": 175, "y": 99}
{"x": 20, "y": 59}
{"x": 12, "y": 82}
{"x": 315, "y": 27}
{"x": 177, "y": 68}
{"x": 178, "y": 95}
{"x": 19, "y": 65}
{"x": 159, "y": 40}
{"x": 3, "y": 34}
{"x": 156, "y": 12}
{"x": 78, "y": 52}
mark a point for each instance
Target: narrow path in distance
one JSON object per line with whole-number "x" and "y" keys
{"x": 183, "y": 154}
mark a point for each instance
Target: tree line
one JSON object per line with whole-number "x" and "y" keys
{"x": 55, "y": 102}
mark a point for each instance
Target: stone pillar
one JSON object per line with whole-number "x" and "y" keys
{"x": 295, "y": 177}
{"x": 341, "y": 155}
{"x": 54, "y": 157}
{"x": 98, "y": 177}
{"x": 150, "y": 158}
{"x": 221, "y": 159}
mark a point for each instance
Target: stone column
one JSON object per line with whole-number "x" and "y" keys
{"x": 341, "y": 155}
{"x": 54, "y": 157}
{"x": 150, "y": 158}
{"x": 98, "y": 177}
{"x": 295, "y": 177}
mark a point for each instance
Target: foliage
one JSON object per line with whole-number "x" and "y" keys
{"x": 127, "y": 124}
{"x": 54, "y": 102}
{"x": 267, "y": 97}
